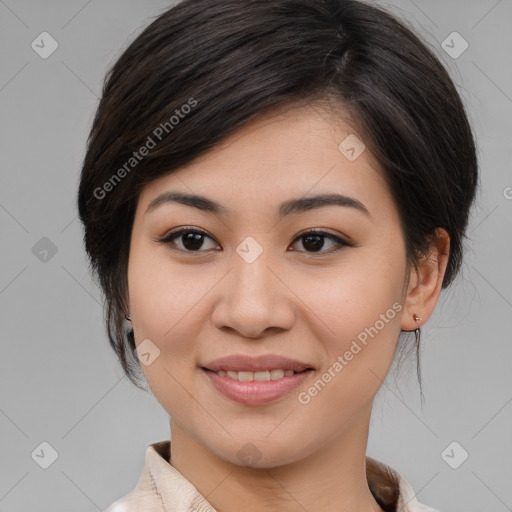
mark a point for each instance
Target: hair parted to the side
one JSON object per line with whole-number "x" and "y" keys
{"x": 213, "y": 65}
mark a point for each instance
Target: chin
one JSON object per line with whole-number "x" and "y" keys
{"x": 258, "y": 453}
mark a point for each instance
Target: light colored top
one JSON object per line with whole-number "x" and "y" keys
{"x": 162, "y": 488}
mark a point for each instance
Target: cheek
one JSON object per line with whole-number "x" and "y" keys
{"x": 353, "y": 295}
{"x": 359, "y": 345}
{"x": 163, "y": 299}
{"x": 161, "y": 292}
{"x": 357, "y": 317}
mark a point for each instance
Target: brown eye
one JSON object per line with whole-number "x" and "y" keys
{"x": 191, "y": 240}
{"x": 314, "y": 241}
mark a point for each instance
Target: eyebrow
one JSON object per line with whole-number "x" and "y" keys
{"x": 286, "y": 208}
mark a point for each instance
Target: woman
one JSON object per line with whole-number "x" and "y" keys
{"x": 272, "y": 193}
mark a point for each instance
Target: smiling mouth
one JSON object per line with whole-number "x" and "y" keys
{"x": 256, "y": 388}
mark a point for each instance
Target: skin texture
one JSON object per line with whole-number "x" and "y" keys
{"x": 292, "y": 301}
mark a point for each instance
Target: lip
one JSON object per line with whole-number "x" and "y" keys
{"x": 246, "y": 363}
{"x": 256, "y": 392}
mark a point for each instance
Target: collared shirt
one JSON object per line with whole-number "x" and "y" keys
{"x": 162, "y": 488}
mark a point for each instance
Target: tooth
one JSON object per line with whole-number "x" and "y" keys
{"x": 265, "y": 375}
{"x": 245, "y": 376}
{"x": 261, "y": 376}
{"x": 276, "y": 374}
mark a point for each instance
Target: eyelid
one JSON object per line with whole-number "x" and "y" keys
{"x": 180, "y": 230}
{"x": 322, "y": 231}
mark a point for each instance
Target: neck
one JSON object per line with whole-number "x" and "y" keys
{"x": 328, "y": 480}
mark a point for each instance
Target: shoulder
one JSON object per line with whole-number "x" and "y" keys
{"x": 144, "y": 496}
{"x": 136, "y": 501}
{"x": 160, "y": 487}
{"x": 391, "y": 490}
{"x": 408, "y": 501}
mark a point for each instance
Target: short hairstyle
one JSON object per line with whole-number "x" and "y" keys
{"x": 204, "y": 68}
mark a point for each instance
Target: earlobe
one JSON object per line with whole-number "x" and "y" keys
{"x": 426, "y": 281}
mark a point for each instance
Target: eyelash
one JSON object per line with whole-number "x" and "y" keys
{"x": 167, "y": 239}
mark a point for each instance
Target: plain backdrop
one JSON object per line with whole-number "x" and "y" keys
{"x": 59, "y": 380}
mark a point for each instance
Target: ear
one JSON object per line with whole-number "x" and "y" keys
{"x": 425, "y": 282}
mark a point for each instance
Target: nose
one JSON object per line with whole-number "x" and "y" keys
{"x": 254, "y": 299}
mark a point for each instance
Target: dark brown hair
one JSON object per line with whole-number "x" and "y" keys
{"x": 204, "y": 68}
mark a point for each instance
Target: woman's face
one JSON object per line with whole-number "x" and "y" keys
{"x": 252, "y": 283}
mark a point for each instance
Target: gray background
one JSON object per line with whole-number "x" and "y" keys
{"x": 59, "y": 380}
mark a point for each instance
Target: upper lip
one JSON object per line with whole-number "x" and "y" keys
{"x": 246, "y": 363}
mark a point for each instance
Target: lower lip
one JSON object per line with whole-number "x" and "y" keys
{"x": 256, "y": 392}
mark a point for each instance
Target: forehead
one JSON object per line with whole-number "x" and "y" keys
{"x": 286, "y": 152}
